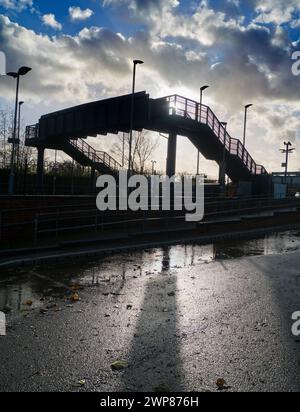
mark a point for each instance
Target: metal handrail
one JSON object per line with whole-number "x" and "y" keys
{"x": 94, "y": 155}
{"x": 32, "y": 132}
{"x": 127, "y": 220}
{"x": 190, "y": 109}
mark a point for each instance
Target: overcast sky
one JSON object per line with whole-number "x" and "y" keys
{"x": 82, "y": 51}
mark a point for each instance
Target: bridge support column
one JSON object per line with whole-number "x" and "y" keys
{"x": 171, "y": 159}
{"x": 40, "y": 170}
{"x": 222, "y": 175}
{"x": 93, "y": 180}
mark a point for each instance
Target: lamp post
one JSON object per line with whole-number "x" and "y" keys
{"x": 135, "y": 63}
{"x": 222, "y": 176}
{"x": 288, "y": 149}
{"x": 153, "y": 164}
{"x": 201, "y": 94}
{"x": 19, "y": 128}
{"x": 15, "y": 75}
{"x": 200, "y": 112}
{"x": 245, "y": 123}
{"x": 123, "y": 150}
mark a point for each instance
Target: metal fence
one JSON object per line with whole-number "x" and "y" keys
{"x": 57, "y": 221}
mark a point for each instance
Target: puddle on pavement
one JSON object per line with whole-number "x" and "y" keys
{"x": 23, "y": 290}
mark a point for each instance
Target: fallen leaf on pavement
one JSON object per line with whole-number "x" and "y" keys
{"x": 221, "y": 384}
{"x": 75, "y": 297}
{"x": 80, "y": 383}
{"x": 119, "y": 365}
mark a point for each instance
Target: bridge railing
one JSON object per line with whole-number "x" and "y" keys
{"x": 190, "y": 109}
{"x": 32, "y": 132}
{"x": 94, "y": 155}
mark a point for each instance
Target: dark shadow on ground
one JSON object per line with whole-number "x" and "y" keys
{"x": 154, "y": 360}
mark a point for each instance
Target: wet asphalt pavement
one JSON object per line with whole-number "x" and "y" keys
{"x": 181, "y": 325}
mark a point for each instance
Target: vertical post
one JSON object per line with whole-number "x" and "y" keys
{"x": 18, "y": 140}
{"x": 123, "y": 151}
{"x": 200, "y": 113}
{"x": 222, "y": 165}
{"x": 12, "y": 161}
{"x": 245, "y": 127}
{"x": 135, "y": 63}
{"x": 93, "y": 176}
{"x": 1, "y": 220}
{"x": 286, "y": 163}
{"x": 171, "y": 159}
{"x": 55, "y": 173}
{"x": 72, "y": 178}
{"x": 4, "y": 143}
{"x": 131, "y": 120}
{"x": 25, "y": 175}
{"x": 40, "y": 170}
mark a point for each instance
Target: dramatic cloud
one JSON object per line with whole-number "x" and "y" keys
{"x": 18, "y": 5}
{"x": 143, "y": 10}
{"x": 50, "y": 20}
{"x": 242, "y": 61}
{"x": 137, "y": 5}
{"x": 76, "y": 13}
{"x": 276, "y": 11}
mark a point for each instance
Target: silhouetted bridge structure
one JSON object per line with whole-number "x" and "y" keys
{"x": 173, "y": 115}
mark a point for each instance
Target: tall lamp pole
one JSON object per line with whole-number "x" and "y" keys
{"x": 16, "y": 75}
{"x": 135, "y": 63}
{"x": 288, "y": 150}
{"x": 153, "y": 164}
{"x": 200, "y": 112}
{"x": 245, "y": 123}
{"x": 222, "y": 177}
{"x": 19, "y": 128}
{"x": 123, "y": 150}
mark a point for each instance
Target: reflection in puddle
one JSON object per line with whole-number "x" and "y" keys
{"x": 23, "y": 290}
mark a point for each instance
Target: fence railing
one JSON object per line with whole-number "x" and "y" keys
{"x": 94, "y": 155}
{"x": 66, "y": 219}
{"x": 95, "y": 220}
{"x": 190, "y": 109}
{"x": 32, "y": 132}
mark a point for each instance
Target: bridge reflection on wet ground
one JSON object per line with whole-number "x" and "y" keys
{"x": 22, "y": 285}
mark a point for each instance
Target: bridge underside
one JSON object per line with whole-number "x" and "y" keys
{"x": 174, "y": 115}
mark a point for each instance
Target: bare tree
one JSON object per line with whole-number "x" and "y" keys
{"x": 23, "y": 153}
{"x": 143, "y": 147}
{"x": 6, "y": 127}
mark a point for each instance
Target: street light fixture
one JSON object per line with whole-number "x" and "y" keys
{"x": 201, "y": 92}
{"x": 200, "y": 113}
{"x": 15, "y": 75}
{"x": 135, "y": 63}
{"x": 288, "y": 150}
